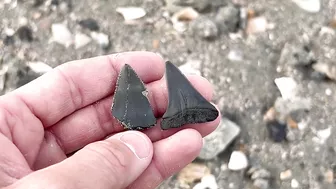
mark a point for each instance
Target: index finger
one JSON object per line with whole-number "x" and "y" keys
{"x": 76, "y": 84}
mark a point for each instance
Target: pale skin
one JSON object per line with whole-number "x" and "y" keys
{"x": 68, "y": 109}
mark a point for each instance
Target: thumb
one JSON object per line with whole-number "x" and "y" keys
{"x": 113, "y": 163}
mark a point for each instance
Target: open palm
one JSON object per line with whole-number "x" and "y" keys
{"x": 68, "y": 108}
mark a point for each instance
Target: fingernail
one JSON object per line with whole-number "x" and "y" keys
{"x": 137, "y": 144}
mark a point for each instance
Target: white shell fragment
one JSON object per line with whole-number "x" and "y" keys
{"x": 39, "y": 67}
{"x": 192, "y": 67}
{"x": 101, "y": 38}
{"x": 61, "y": 34}
{"x": 235, "y": 55}
{"x": 284, "y": 175}
{"x": 322, "y": 135}
{"x": 9, "y": 32}
{"x": 294, "y": 183}
{"x": 287, "y": 87}
{"x": 207, "y": 182}
{"x": 312, "y": 6}
{"x": 238, "y": 161}
{"x": 180, "y": 18}
{"x": 81, "y": 40}
{"x": 186, "y": 14}
{"x": 131, "y": 13}
{"x": 257, "y": 25}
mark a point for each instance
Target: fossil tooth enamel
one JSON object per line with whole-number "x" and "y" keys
{"x": 185, "y": 105}
{"x": 130, "y": 104}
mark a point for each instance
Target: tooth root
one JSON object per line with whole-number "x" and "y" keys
{"x": 185, "y": 105}
{"x": 130, "y": 104}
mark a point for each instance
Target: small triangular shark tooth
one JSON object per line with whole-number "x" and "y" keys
{"x": 130, "y": 104}
{"x": 185, "y": 105}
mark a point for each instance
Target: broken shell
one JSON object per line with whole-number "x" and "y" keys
{"x": 131, "y": 13}
{"x": 192, "y": 173}
{"x": 180, "y": 18}
{"x": 256, "y": 25}
{"x": 187, "y": 14}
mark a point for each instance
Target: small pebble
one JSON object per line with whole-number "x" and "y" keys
{"x": 9, "y": 38}
{"x": 329, "y": 70}
{"x": 304, "y": 56}
{"x": 251, "y": 170}
{"x": 182, "y": 17}
{"x": 171, "y": 6}
{"x": 192, "y": 172}
{"x": 294, "y": 183}
{"x": 204, "y": 28}
{"x": 238, "y": 161}
{"x": 285, "y": 107}
{"x": 191, "y": 67}
{"x": 261, "y": 184}
{"x": 302, "y": 125}
{"x": 322, "y": 135}
{"x": 231, "y": 185}
{"x": 227, "y": 19}
{"x": 235, "y": 56}
{"x": 285, "y": 175}
{"x": 256, "y": 25}
{"x": 55, "y": 2}
{"x": 244, "y": 15}
{"x": 65, "y": 6}
{"x": 223, "y": 167}
{"x": 37, "y": 15}
{"x": 23, "y": 21}
{"x": 89, "y": 23}
{"x": 291, "y": 136}
{"x": 38, "y": 3}
{"x": 25, "y": 33}
{"x": 277, "y": 131}
{"x": 261, "y": 174}
{"x": 328, "y": 92}
{"x": 199, "y": 5}
{"x": 9, "y": 32}
{"x": 329, "y": 176}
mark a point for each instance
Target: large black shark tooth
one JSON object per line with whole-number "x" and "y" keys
{"x": 185, "y": 105}
{"x": 130, "y": 104}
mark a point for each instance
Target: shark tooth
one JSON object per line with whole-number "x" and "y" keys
{"x": 130, "y": 105}
{"x": 185, "y": 105}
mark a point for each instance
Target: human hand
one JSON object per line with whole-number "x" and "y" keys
{"x": 68, "y": 109}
